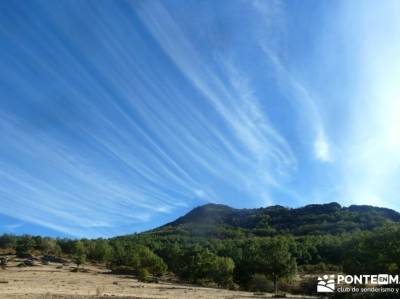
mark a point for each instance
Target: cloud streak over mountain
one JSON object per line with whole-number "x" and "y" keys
{"x": 117, "y": 117}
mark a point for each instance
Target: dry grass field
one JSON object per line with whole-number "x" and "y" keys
{"x": 56, "y": 281}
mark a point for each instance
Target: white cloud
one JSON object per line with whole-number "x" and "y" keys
{"x": 322, "y": 149}
{"x": 269, "y": 154}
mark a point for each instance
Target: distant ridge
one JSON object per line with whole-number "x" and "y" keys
{"x": 221, "y": 221}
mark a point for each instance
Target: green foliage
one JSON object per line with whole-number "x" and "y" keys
{"x": 256, "y": 248}
{"x": 171, "y": 253}
{"x": 373, "y": 252}
{"x": 66, "y": 245}
{"x": 25, "y": 246}
{"x": 79, "y": 259}
{"x": 197, "y": 264}
{"x": 79, "y": 248}
{"x": 224, "y": 222}
{"x": 8, "y": 241}
{"x": 144, "y": 258}
{"x": 136, "y": 257}
{"x": 272, "y": 257}
{"x": 260, "y": 283}
{"x": 143, "y": 275}
{"x": 223, "y": 271}
{"x": 49, "y": 246}
{"x": 79, "y": 252}
{"x": 280, "y": 262}
{"x": 99, "y": 250}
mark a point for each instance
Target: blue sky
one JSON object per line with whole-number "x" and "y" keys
{"x": 119, "y": 116}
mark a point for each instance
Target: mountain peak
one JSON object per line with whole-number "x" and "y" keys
{"x": 217, "y": 220}
{"x": 208, "y": 213}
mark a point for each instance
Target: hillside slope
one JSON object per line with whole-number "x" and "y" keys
{"x": 225, "y": 222}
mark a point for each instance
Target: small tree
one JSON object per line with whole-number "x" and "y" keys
{"x": 223, "y": 272}
{"x": 143, "y": 275}
{"x": 24, "y": 246}
{"x": 144, "y": 258}
{"x": 278, "y": 262}
{"x": 79, "y": 253}
{"x": 49, "y": 247}
{"x": 80, "y": 259}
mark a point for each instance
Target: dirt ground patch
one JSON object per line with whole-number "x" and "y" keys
{"x": 54, "y": 281}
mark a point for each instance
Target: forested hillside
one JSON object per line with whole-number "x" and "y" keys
{"x": 251, "y": 249}
{"x": 224, "y": 222}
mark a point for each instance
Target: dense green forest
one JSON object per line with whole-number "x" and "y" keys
{"x": 225, "y": 222}
{"x": 251, "y": 249}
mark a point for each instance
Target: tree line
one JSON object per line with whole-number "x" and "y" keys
{"x": 256, "y": 263}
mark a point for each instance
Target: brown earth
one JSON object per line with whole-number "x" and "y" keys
{"x": 55, "y": 281}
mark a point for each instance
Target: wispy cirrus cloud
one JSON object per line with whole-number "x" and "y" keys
{"x": 115, "y": 141}
{"x": 117, "y": 117}
{"x": 231, "y": 95}
{"x": 305, "y": 104}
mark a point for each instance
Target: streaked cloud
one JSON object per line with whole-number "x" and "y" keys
{"x": 117, "y": 117}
